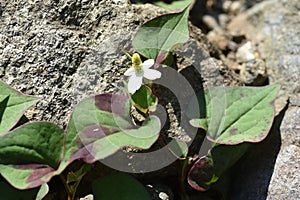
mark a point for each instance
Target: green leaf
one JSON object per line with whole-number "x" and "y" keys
{"x": 178, "y": 148}
{"x": 38, "y": 142}
{"x": 174, "y": 5}
{"x": 102, "y": 125}
{"x": 208, "y": 169}
{"x": 74, "y": 178}
{"x": 114, "y": 110}
{"x": 12, "y": 106}
{"x": 43, "y": 191}
{"x": 30, "y": 154}
{"x": 78, "y": 175}
{"x": 236, "y": 115}
{"x": 141, "y": 138}
{"x": 200, "y": 123}
{"x": 119, "y": 186}
{"x": 162, "y": 34}
{"x": 225, "y": 156}
{"x": 144, "y": 100}
{"x": 10, "y": 193}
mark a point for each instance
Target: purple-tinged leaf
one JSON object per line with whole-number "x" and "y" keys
{"x": 116, "y": 104}
{"x": 30, "y": 154}
{"x": 201, "y": 172}
{"x": 208, "y": 169}
{"x": 160, "y": 59}
{"x": 102, "y": 125}
{"x": 237, "y": 115}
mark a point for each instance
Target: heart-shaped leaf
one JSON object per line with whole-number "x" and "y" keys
{"x": 162, "y": 34}
{"x": 12, "y": 106}
{"x": 102, "y": 125}
{"x": 30, "y": 154}
{"x": 236, "y": 115}
{"x": 119, "y": 186}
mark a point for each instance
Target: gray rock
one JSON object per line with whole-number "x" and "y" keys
{"x": 245, "y": 53}
{"x": 290, "y": 128}
{"x": 254, "y": 72}
{"x": 47, "y": 49}
{"x": 285, "y": 181}
{"x": 273, "y": 26}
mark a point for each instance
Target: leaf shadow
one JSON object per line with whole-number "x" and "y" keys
{"x": 3, "y": 105}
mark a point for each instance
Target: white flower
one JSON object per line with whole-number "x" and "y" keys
{"x": 138, "y": 71}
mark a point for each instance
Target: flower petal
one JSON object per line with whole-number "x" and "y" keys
{"x": 134, "y": 83}
{"x": 148, "y": 63}
{"x": 152, "y": 74}
{"x": 129, "y": 72}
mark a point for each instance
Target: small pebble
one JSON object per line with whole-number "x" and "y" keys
{"x": 88, "y": 197}
{"x": 245, "y": 53}
{"x": 163, "y": 196}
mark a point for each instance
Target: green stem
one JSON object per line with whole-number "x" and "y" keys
{"x": 184, "y": 166}
{"x": 68, "y": 189}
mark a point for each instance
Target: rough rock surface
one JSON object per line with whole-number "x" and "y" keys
{"x": 286, "y": 176}
{"x": 65, "y": 51}
{"x": 54, "y": 49}
{"x": 274, "y": 28}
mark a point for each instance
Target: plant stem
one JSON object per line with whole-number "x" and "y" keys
{"x": 183, "y": 170}
{"x": 66, "y": 187}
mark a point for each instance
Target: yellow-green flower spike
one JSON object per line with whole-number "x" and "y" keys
{"x": 137, "y": 63}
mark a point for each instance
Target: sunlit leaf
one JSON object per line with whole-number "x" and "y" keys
{"x": 236, "y": 115}
{"x": 12, "y": 106}
{"x": 30, "y": 154}
{"x": 102, "y": 125}
{"x": 43, "y": 191}
{"x": 162, "y": 34}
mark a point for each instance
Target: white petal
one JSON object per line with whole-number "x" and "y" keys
{"x": 129, "y": 72}
{"x": 148, "y": 63}
{"x": 134, "y": 83}
{"x": 152, "y": 74}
